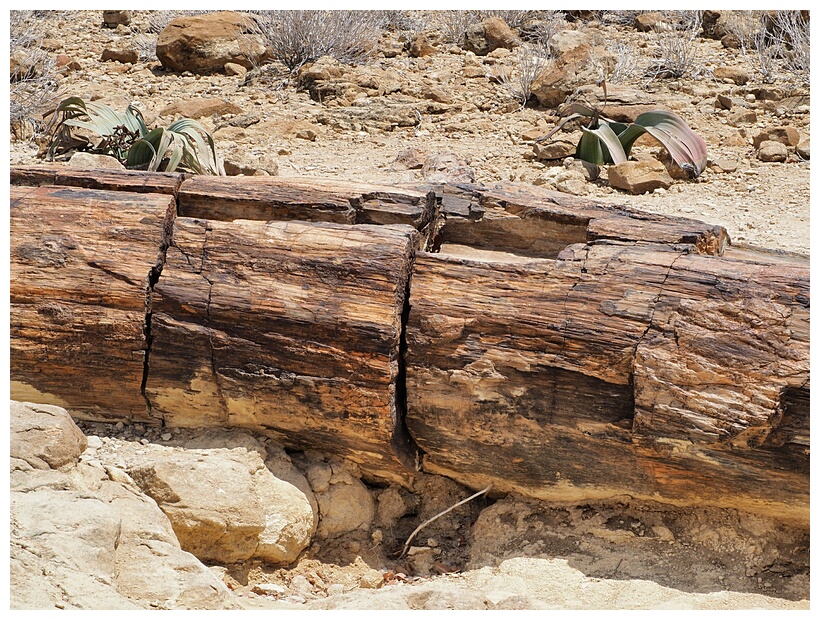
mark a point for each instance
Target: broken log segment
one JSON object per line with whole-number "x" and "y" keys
{"x": 113, "y": 180}
{"x": 289, "y": 328}
{"x": 616, "y": 369}
{"x": 539, "y": 223}
{"x": 82, "y": 262}
{"x": 566, "y": 350}
{"x": 312, "y": 200}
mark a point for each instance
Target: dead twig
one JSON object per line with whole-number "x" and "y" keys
{"x": 441, "y": 514}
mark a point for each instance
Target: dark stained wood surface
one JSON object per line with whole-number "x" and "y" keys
{"x": 551, "y": 345}
{"x": 81, "y": 261}
{"x": 114, "y": 180}
{"x": 289, "y": 328}
{"x": 640, "y": 369}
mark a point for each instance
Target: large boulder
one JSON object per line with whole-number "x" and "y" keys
{"x": 225, "y": 505}
{"x": 489, "y": 35}
{"x": 205, "y": 43}
{"x": 581, "y": 65}
{"x": 44, "y": 436}
{"x": 83, "y": 536}
{"x": 345, "y": 504}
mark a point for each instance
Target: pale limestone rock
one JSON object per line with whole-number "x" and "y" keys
{"x": 81, "y": 540}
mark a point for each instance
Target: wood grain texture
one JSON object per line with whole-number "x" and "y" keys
{"x": 551, "y": 345}
{"x": 114, "y": 180}
{"x": 314, "y": 200}
{"x": 639, "y": 369}
{"x": 289, "y": 328}
{"x": 81, "y": 263}
{"x": 540, "y": 223}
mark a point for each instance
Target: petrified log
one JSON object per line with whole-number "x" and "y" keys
{"x": 529, "y": 221}
{"x": 114, "y": 180}
{"x": 289, "y": 328}
{"x": 633, "y": 369}
{"x": 81, "y": 265}
{"x": 313, "y": 200}
{"x": 551, "y": 345}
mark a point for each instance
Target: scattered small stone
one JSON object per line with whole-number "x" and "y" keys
{"x": 786, "y": 135}
{"x": 232, "y": 68}
{"x": 301, "y": 585}
{"x": 732, "y": 74}
{"x": 724, "y": 165}
{"x": 120, "y": 55}
{"x": 334, "y": 589}
{"x": 372, "y": 579}
{"x": 306, "y": 134}
{"x": 112, "y": 19}
{"x": 268, "y": 589}
{"x": 553, "y": 150}
{"x": 639, "y": 177}
{"x": 421, "y": 46}
{"x": 410, "y": 159}
{"x": 166, "y": 436}
{"x": 92, "y": 161}
{"x": 772, "y": 151}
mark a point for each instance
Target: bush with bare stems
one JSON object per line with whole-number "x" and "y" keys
{"x": 676, "y": 45}
{"x": 297, "y": 37}
{"x": 33, "y": 72}
{"x": 773, "y": 41}
{"x": 531, "y": 59}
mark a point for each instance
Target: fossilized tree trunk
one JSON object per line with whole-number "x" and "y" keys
{"x": 615, "y": 369}
{"x": 542, "y": 343}
{"x": 285, "y": 327}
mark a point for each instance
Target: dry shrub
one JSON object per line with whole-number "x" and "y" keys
{"x": 33, "y": 74}
{"x": 626, "y": 67}
{"x": 297, "y": 37}
{"x": 676, "y": 44}
{"x": 620, "y": 18}
{"x": 531, "y": 61}
{"x": 453, "y": 24}
{"x": 543, "y": 26}
{"x": 773, "y": 41}
{"x": 793, "y": 32}
{"x": 515, "y": 19}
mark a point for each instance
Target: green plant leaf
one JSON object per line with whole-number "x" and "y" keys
{"x": 198, "y": 156}
{"x": 686, "y": 147}
{"x": 610, "y": 146}
{"x": 589, "y": 148}
{"x": 185, "y": 143}
{"x": 135, "y": 121}
{"x": 140, "y": 154}
{"x": 102, "y": 120}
